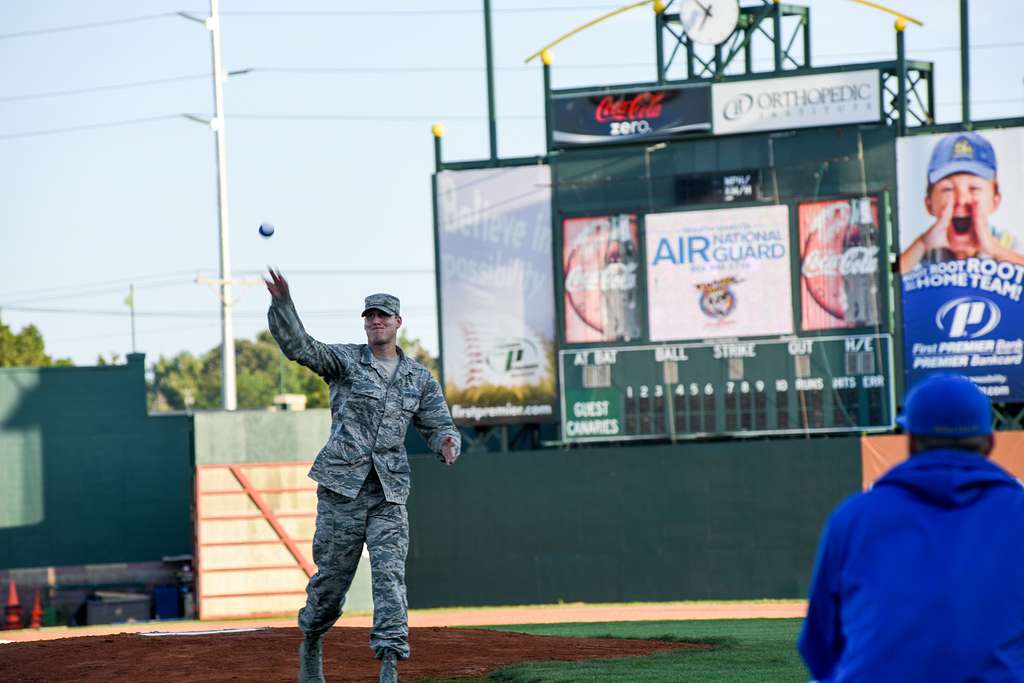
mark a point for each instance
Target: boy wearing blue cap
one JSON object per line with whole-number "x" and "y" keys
{"x": 922, "y": 577}
{"x": 962, "y": 194}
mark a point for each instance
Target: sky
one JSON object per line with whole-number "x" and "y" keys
{"x": 103, "y": 182}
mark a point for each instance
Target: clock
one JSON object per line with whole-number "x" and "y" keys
{"x": 709, "y": 22}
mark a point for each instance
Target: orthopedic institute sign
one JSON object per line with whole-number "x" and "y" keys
{"x": 796, "y": 102}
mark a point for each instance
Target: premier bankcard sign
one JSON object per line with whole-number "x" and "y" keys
{"x": 497, "y": 294}
{"x": 961, "y": 212}
{"x": 719, "y": 273}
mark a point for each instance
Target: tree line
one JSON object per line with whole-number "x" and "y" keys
{"x": 186, "y": 381}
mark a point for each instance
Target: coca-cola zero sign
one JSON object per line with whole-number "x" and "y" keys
{"x": 615, "y": 117}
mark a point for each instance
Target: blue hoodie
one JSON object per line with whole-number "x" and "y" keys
{"x": 922, "y": 577}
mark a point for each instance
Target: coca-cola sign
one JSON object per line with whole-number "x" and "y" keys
{"x": 612, "y": 277}
{"x": 852, "y": 261}
{"x": 586, "y": 119}
{"x": 601, "y": 260}
{"x": 645, "y": 105}
{"x": 839, "y": 263}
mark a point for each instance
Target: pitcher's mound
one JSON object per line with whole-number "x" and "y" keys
{"x": 272, "y": 655}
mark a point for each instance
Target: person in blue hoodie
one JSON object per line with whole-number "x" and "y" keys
{"x": 921, "y": 578}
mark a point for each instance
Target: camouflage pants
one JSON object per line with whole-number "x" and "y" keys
{"x": 342, "y": 525}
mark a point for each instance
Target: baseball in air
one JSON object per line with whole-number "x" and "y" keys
{"x": 266, "y": 229}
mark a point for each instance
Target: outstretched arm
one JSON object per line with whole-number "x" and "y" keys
{"x": 434, "y": 422}
{"x": 291, "y": 336}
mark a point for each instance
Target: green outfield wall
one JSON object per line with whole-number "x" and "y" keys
{"x": 86, "y": 476}
{"x": 725, "y": 520}
{"x": 89, "y": 478}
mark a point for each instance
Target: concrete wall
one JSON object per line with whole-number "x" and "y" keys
{"x": 260, "y": 436}
{"x": 251, "y": 436}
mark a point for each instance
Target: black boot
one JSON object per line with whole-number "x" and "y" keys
{"x": 389, "y": 666}
{"x": 311, "y": 661}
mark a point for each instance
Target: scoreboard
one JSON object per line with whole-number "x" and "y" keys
{"x": 727, "y": 388}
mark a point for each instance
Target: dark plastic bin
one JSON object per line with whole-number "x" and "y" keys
{"x": 116, "y": 608}
{"x": 165, "y": 602}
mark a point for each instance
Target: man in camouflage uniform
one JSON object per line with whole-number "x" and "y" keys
{"x": 363, "y": 470}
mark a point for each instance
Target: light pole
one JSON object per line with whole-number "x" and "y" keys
{"x": 491, "y": 120}
{"x": 650, "y": 149}
{"x": 227, "y": 355}
{"x": 229, "y": 394}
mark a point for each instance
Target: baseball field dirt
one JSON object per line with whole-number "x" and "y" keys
{"x": 270, "y": 654}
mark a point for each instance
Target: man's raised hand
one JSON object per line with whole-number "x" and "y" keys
{"x": 277, "y": 285}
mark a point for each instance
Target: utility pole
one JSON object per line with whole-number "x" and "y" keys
{"x": 131, "y": 307}
{"x": 229, "y": 394}
{"x": 965, "y": 64}
{"x": 228, "y": 391}
{"x": 491, "y": 117}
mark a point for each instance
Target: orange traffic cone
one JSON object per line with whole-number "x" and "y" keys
{"x": 13, "y": 611}
{"x": 36, "y": 619}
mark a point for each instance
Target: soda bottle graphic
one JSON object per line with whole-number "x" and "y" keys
{"x": 618, "y": 281}
{"x": 859, "y": 265}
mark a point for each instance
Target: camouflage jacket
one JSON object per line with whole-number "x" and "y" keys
{"x": 370, "y": 411}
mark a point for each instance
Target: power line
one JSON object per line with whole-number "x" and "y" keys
{"x": 298, "y": 70}
{"x": 386, "y": 119}
{"x": 79, "y": 292}
{"x": 93, "y": 292}
{"x": 124, "y": 280}
{"x": 373, "y": 70}
{"x": 89, "y": 126}
{"x": 402, "y": 70}
{"x": 947, "y": 48}
{"x": 379, "y": 70}
{"x": 106, "y": 335}
{"x": 420, "y": 118}
{"x": 1005, "y": 100}
{"x": 156, "y": 280}
{"x": 103, "y": 88}
{"x": 398, "y": 119}
{"x": 348, "y": 272}
{"x": 175, "y": 328}
{"x": 352, "y": 13}
{"x": 325, "y": 313}
{"x": 415, "y": 12}
{"x": 93, "y": 24}
{"x": 562, "y": 67}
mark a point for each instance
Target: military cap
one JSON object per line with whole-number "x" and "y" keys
{"x": 382, "y": 302}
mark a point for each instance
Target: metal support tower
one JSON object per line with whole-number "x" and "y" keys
{"x": 783, "y": 31}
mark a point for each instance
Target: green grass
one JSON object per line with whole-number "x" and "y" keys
{"x": 743, "y": 650}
